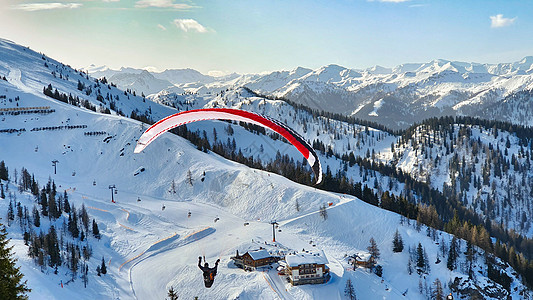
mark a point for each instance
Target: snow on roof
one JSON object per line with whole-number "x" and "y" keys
{"x": 259, "y": 254}
{"x": 318, "y": 257}
{"x": 362, "y": 255}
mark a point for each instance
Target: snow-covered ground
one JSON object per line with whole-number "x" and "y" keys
{"x": 149, "y": 249}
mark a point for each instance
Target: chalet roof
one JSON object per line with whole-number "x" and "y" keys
{"x": 259, "y": 254}
{"x": 362, "y": 255}
{"x": 317, "y": 257}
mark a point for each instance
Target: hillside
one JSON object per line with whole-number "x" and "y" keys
{"x": 94, "y": 149}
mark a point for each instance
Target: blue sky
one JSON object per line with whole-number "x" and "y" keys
{"x": 249, "y": 36}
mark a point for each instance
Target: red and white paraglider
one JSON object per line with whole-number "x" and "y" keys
{"x": 190, "y": 116}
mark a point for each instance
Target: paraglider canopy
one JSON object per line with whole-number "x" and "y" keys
{"x": 190, "y": 116}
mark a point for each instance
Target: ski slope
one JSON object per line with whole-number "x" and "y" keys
{"x": 148, "y": 249}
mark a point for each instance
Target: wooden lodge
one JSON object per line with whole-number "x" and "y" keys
{"x": 254, "y": 259}
{"x": 307, "y": 268}
{"x": 362, "y": 259}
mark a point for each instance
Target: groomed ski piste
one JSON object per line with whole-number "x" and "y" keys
{"x": 150, "y": 241}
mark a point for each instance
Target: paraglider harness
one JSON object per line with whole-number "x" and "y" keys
{"x": 449, "y": 297}
{"x": 209, "y": 273}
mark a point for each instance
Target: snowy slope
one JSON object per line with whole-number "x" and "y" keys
{"x": 151, "y": 249}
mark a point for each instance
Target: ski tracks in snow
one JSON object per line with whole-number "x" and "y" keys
{"x": 277, "y": 285}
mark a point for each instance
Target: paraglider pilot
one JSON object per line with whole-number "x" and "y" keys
{"x": 209, "y": 273}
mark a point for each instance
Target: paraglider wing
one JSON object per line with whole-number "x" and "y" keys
{"x": 190, "y": 116}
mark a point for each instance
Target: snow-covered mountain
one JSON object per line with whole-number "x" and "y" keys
{"x": 396, "y": 97}
{"x": 148, "y": 81}
{"x": 151, "y": 248}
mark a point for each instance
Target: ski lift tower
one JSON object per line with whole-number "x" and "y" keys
{"x": 274, "y": 224}
{"x": 54, "y": 164}
{"x": 112, "y": 187}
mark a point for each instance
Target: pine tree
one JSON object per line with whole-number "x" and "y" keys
{"x": 189, "y": 177}
{"x": 44, "y": 203}
{"x": 84, "y": 217}
{"x": 53, "y": 248}
{"x": 66, "y": 204}
{"x": 11, "y": 284}
{"x": 470, "y": 257}
{"x": 96, "y": 231}
{"x": 397, "y": 242}
{"x": 172, "y": 295}
{"x": 52, "y": 207}
{"x": 373, "y": 249}
{"x": 452, "y": 255}
{"x": 103, "y": 268}
{"x": 173, "y": 187}
{"x": 438, "y": 292}
{"x": 10, "y": 214}
{"x": 74, "y": 259}
{"x": 323, "y": 212}
{"x": 4, "y": 174}
{"x": 349, "y": 291}
{"x": 73, "y": 222}
{"x": 420, "y": 260}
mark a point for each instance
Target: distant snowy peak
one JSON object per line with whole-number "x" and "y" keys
{"x": 182, "y": 76}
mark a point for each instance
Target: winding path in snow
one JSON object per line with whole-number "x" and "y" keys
{"x": 159, "y": 247}
{"x": 277, "y": 285}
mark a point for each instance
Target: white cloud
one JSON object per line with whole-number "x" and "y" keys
{"x": 45, "y": 6}
{"x": 162, "y": 4}
{"x": 499, "y": 21}
{"x": 161, "y": 27}
{"x": 189, "y": 25}
{"x": 110, "y": 0}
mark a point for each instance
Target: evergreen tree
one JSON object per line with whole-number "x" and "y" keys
{"x": 84, "y": 217}
{"x": 52, "y": 207}
{"x": 74, "y": 259}
{"x": 44, "y": 203}
{"x": 373, "y": 249}
{"x": 73, "y": 222}
{"x": 4, "y": 174}
{"x": 452, "y": 255}
{"x": 20, "y": 215}
{"x": 36, "y": 217}
{"x": 323, "y": 212}
{"x": 11, "y": 284}
{"x": 172, "y": 295}
{"x": 53, "y": 248}
{"x": 189, "y": 177}
{"x": 10, "y": 214}
{"x": 470, "y": 258}
{"x": 96, "y": 231}
{"x": 397, "y": 242}
{"x": 66, "y": 204}
{"x": 349, "y": 291}
{"x": 173, "y": 187}
{"x": 438, "y": 292}
{"x": 103, "y": 268}
{"x": 420, "y": 260}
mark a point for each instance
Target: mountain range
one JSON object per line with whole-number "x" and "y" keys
{"x": 395, "y": 97}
